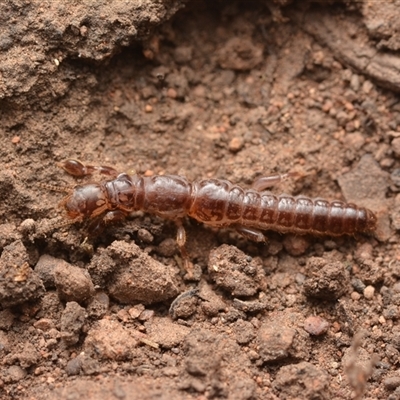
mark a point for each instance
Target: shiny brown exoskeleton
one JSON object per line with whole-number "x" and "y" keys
{"x": 214, "y": 202}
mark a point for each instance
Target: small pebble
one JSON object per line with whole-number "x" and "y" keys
{"x": 74, "y": 366}
{"x": 73, "y": 283}
{"x": 316, "y": 326}
{"x": 367, "y": 86}
{"x": 369, "y": 292}
{"x": 236, "y": 144}
{"x": 145, "y": 236}
{"x": 44, "y": 324}
{"x": 172, "y": 93}
{"x": 167, "y": 248}
{"x": 355, "y": 296}
{"x": 145, "y": 315}
{"x": 135, "y": 311}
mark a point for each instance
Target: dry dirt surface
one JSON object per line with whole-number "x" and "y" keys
{"x": 230, "y": 90}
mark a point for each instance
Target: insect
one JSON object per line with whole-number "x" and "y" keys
{"x": 214, "y": 202}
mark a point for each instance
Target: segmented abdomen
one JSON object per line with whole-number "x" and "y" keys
{"x": 220, "y": 203}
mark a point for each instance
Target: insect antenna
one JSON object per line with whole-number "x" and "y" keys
{"x": 55, "y": 188}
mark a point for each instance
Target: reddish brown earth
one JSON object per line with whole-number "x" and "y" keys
{"x": 233, "y": 91}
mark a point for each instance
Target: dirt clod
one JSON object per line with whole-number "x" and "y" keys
{"x": 73, "y": 283}
{"x": 98, "y": 306}
{"x": 166, "y": 333}
{"x": 236, "y": 272}
{"x": 279, "y": 338}
{"x": 329, "y": 281}
{"x": 45, "y": 269}
{"x": 303, "y": 381}
{"x": 72, "y": 320}
{"x": 18, "y": 282}
{"x": 14, "y": 373}
{"x": 136, "y": 276}
{"x": 110, "y": 340}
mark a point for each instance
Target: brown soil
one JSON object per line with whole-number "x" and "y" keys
{"x": 232, "y": 91}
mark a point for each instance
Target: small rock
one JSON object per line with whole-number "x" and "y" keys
{"x": 136, "y": 310}
{"x": 167, "y": 248}
{"x": 358, "y": 285}
{"x": 98, "y": 306}
{"x": 244, "y": 331}
{"x": 236, "y": 144}
{"x": 391, "y": 312}
{"x": 355, "y": 296}
{"x": 367, "y": 86}
{"x": 316, "y": 326}
{"x": 369, "y": 292}
{"x": 74, "y": 366}
{"x": 146, "y": 315}
{"x": 44, "y": 324}
{"x": 73, "y": 283}
{"x": 72, "y": 320}
{"x": 45, "y": 269}
{"x": 354, "y": 141}
{"x": 145, "y": 236}
{"x": 211, "y": 303}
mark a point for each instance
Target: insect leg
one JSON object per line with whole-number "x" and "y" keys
{"x": 78, "y": 169}
{"x": 181, "y": 240}
{"x": 266, "y": 182}
{"x": 97, "y": 226}
{"x": 251, "y": 233}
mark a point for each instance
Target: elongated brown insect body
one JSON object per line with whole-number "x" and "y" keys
{"x": 220, "y": 203}
{"x": 214, "y": 202}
